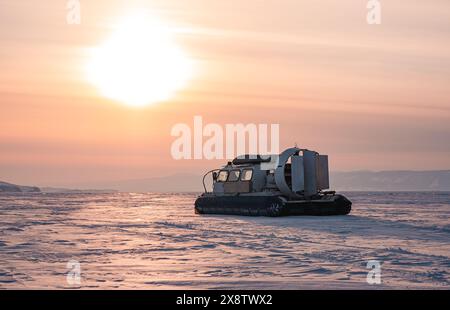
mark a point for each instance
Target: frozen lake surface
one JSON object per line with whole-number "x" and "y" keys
{"x": 155, "y": 241}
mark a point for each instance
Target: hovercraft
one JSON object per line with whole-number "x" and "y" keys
{"x": 294, "y": 182}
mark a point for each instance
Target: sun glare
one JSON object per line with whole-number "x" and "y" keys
{"x": 140, "y": 63}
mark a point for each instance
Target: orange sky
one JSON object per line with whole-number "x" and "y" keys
{"x": 372, "y": 97}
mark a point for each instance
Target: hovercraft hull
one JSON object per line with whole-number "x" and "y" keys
{"x": 272, "y": 205}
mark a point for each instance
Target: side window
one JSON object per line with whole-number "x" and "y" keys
{"x": 234, "y": 175}
{"x": 247, "y": 175}
{"x": 223, "y": 175}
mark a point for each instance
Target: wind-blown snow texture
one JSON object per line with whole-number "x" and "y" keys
{"x": 155, "y": 241}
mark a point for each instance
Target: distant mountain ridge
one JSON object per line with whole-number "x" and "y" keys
{"x": 436, "y": 180}
{"x": 6, "y": 187}
{"x": 402, "y": 180}
{"x": 13, "y": 188}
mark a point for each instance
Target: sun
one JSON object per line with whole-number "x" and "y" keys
{"x": 140, "y": 63}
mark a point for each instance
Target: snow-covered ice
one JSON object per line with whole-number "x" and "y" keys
{"x": 155, "y": 241}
